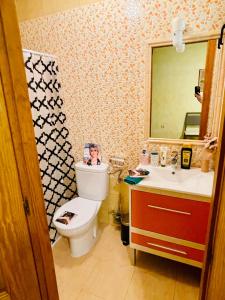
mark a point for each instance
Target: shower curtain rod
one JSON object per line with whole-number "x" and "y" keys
{"x": 39, "y": 53}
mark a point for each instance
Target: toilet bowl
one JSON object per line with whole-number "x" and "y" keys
{"x": 82, "y": 229}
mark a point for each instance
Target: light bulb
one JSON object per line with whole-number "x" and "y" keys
{"x": 180, "y": 48}
{"x": 177, "y": 38}
{"x": 178, "y": 27}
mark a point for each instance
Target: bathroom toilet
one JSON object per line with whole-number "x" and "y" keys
{"x": 92, "y": 186}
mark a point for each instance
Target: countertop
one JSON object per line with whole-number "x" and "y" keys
{"x": 192, "y": 181}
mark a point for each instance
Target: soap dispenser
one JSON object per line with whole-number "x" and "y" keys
{"x": 144, "y": 157}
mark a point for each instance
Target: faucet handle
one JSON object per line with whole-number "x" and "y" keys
{"x": 174, "y": 158}
{"x": 174, "y": 154}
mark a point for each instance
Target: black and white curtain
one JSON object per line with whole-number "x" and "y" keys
{"x": 54, "y": 150}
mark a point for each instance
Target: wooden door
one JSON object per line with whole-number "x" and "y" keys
{"x": 212, "y": 284}
{"x": 213, "y": 278}
{"x": 25, "y": 252}
{"x": 16, "y": 255}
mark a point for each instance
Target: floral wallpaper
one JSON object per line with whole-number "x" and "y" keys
{"x": 101, "y": 54}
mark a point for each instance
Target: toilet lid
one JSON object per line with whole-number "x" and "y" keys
{"x": 83, "y": 209}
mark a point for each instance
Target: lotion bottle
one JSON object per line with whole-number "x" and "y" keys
{"x": 186, "y": 155}
{"x": 163, "y": 153}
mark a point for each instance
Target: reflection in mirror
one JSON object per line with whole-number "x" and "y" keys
{"x": 176, "y": 77}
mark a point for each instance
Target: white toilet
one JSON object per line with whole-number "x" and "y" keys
{"x": 92, "y": 186}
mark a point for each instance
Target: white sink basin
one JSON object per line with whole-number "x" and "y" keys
{"x": 191, "y": 181}
{"x": 177, "y": 175}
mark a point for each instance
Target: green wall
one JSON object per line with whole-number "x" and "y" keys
{"x": 174, "y": 76}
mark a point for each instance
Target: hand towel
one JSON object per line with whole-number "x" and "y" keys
{"x": 132, "y": 180}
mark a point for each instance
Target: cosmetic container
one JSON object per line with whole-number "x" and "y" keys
{"x": 163, "y": 154}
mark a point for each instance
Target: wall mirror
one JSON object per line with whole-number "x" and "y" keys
{"x": 173, "y": 110}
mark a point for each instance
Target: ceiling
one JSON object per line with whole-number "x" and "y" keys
{"x": 29, "y": 9}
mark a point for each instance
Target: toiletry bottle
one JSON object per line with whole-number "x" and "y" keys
{"x": 144, "y": 157}
{"x": 186, "y": 155}
{"x": 154, "y": 158}
{"x": 163, "y": 153}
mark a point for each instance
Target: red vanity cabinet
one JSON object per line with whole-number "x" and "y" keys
{"x": 170, "y": 226}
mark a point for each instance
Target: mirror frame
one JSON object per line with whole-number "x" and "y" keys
{"x": 148, "y": 79}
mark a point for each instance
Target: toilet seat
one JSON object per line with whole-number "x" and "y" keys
{"x": 84, "y": 209}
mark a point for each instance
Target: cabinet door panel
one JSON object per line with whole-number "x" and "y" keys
{"x": 181, "y": 218}
{"x": 171, "y": 248}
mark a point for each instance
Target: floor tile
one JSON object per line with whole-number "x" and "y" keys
{"x": 187, "y": 283}
{"x": 71, "y": 273}
{"x": 106, "y": 273}
{"x": 109, "y": 280}
{"x": 110, "y": 247}
{"x": 154, "y": 284}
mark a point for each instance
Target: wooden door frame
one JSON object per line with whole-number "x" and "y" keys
{"x": 209, "y": 278}
{"x": 22, "y": 131}
{"x": 209, "y": 66}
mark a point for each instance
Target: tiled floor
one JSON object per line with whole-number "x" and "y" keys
{"x": 106, "y": 273}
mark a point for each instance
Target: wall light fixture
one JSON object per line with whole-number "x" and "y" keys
{"x": 178, "y": 27}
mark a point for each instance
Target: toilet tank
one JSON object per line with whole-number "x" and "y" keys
{"x": 92, "y": 181}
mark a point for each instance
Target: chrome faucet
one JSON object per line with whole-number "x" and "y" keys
{"x": 174, "y": 160}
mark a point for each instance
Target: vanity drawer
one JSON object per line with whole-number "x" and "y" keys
{"x": 181, "y": 218}
{"x": 168, "y": 247}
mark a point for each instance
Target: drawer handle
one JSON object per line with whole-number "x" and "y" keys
{"x": 167, "y": 248}
{"x": 171, "y": 210}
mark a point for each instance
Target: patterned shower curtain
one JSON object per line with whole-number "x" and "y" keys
{"x": 54, "y": 150}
